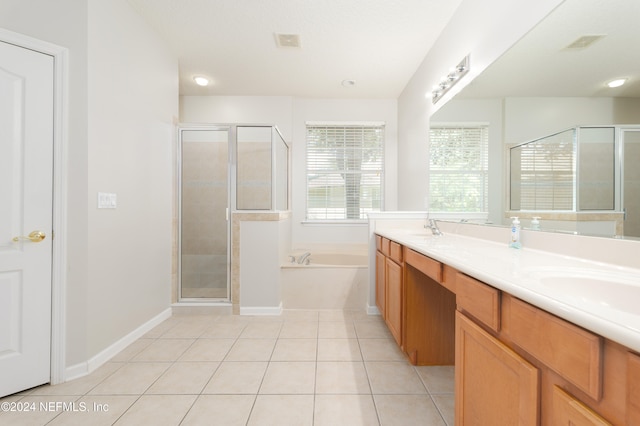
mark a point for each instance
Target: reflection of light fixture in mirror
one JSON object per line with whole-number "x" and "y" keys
{"x": 201, "y": 81}
{"x": 617, "y": 83}
{"x": 450, "y": 80}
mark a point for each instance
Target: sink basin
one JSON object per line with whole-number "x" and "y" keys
{"x": 604, "y": 289}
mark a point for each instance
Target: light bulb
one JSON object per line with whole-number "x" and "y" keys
{"x": 617, "y": 83}
{"x": 201, "y": 81}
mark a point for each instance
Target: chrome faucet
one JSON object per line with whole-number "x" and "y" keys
{"x": 304, "y": 257}
{"x": 433, "y": 225}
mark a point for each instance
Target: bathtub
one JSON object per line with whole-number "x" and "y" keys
{"x": 331, "y": 280}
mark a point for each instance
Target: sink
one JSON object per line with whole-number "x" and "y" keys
{"x": 598, "y": 288}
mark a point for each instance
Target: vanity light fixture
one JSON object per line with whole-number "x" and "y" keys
{"x": 201, "y": 81}
{"x": 450, "y": 80}
{"x": 617, "y": 83}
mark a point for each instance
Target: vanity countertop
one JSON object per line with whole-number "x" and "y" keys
{"x": 601, "y": 297}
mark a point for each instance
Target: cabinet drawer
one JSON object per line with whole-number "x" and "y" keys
{"x": 378, "y": 243}
{"x": 633, "y": 389}
{"x": 569, "y": 411}
{"x": 569, "y": 350}
{"x": 449, "y": 278}
{"x": 395, "y": 252}
{"x": 479, "y": 300}
{"x": 385, "y": 246}
{"x": 426, "y": 265}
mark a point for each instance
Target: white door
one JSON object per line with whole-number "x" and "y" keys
{"x": 26, "y": 167}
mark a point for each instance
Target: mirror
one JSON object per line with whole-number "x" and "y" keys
{"x": 554, "y": 79}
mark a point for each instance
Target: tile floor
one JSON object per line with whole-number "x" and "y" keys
{"x": 301, "y": 368}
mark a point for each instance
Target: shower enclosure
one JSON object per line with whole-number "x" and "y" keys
{"x": 221, "y": 169}
{"x": 586, "y": 170}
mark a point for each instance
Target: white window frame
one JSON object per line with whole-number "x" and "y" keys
{"x": 312, "y": 171}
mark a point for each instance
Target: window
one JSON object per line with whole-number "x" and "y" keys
{"x": 543, "y": 173}
{"x": 345, "y": 168}
{"x": 458, "y": 169}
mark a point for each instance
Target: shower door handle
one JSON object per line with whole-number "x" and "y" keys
{"x": 226, "y": 214}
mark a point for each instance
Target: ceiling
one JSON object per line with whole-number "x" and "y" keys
{"x": 377, "y": 43}
{"x": 541, "y": 65}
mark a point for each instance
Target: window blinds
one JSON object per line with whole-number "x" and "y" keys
{"x": 458, "y": 169}
{"x": 345, "y": 167}
{"x": 546, "y": 174}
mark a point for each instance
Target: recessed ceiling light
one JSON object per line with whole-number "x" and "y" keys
{"x": 617, "y": 83}
{"x": 348, "y": 83}
{"x": 201, "y": 81}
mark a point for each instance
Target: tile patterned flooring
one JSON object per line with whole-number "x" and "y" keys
{"x": 300, "y": 368}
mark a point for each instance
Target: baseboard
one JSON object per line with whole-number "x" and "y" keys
{"x": 261, "y": 310}
{"x": 215, "y": 308}
{"x": 87, "y": 367}
{"x": 372, "y": 310}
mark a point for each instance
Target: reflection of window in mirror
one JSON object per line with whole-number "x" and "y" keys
{"x": 542, "y": 173}
{"x": 459, "y": 168}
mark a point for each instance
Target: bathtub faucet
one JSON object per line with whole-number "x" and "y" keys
{"x": 433, "y": 225}
{"x": 304, "y": 257}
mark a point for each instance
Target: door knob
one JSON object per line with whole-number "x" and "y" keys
{"x": 35, "y": 236}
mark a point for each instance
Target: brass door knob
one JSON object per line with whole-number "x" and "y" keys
{"x": 35, "y": 237}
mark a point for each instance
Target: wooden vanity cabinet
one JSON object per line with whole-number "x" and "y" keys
{"x": 429, "y": 316}
{"x": 381, "y": 282}
{"x": 389, "y": 285}
{"x": 514, "y": 362}
{"x": 633, "y": 389}
{"x": 494, "y": 385}
{"x": 394, "y": 299}
{"x": 582, "y": 379}
{"x": 568, "y": 411}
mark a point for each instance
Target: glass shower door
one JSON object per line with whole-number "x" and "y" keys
{"x": 631, "y": 182}
{"x": 204, "y": 226}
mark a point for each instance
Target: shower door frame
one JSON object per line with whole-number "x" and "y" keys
{"x": 620, "y": 175}
{"x": 231, "y": 199}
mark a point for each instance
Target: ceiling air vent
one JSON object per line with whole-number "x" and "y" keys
{"x": 288, "y": 40}
{"x": 585, "y": 41}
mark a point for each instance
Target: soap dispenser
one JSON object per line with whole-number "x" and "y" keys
{"x": 515, "y": 233}
{"x": 535, "y": 223}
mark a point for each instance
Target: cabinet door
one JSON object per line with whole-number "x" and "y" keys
{"x": 567, "y": 410}
{"x": 494, "y": 385}
{"x": 381, "y": 280}
{"x": 394, "y": 300}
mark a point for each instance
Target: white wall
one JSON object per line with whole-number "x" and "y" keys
{"x": 133, "y": 103}
{"x": 532, "y": 118}
{"x": 276, "y": 110}
{"x": 483, "y": 30}
{"x": 262, "y": 248}
{"x": 291, "y": 115}
{"x": 119, "y": 140}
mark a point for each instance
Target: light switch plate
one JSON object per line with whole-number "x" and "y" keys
{"x": 106, "y": 200}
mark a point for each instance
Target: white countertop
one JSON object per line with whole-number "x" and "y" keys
{"x": 600, "y": 297}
